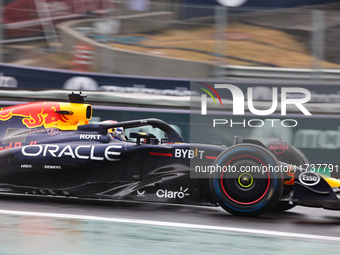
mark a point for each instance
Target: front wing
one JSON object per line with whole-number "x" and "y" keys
{"x": 313, "y": 190}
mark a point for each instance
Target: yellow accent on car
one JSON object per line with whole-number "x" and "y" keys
{"x": 333, "y": 182}
{"x": 76, "y": 114}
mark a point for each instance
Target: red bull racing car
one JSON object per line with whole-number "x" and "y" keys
{"x": 50, "y": 149}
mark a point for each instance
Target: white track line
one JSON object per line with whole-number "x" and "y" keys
{"x": 173, "y": 224}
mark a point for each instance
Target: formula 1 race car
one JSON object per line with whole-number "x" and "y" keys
{"x": 50, "y": 149}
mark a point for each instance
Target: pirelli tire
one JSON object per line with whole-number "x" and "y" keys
{"x": 246, "y": 193}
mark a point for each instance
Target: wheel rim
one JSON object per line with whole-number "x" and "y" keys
{"x": 245, "y": 180}
{"x": 243, "y": 187}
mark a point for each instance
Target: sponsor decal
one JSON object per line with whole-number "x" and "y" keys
{"x": 165, "y": 193}
{"x": 8, "y": 81}
{"x": 51, "y": 167}
{"x": 34, "y": 115}
{"x": 11, "y": 145}
{"x": 81, "y": 83}
{"x": 140, "y": 193}
{"x": 231, "y": 3}
{"x": 278, "y": 148}
{"x": 317, "y": 139}
{"x": 142, "y": 89}
{"x": 89, "y": 136}
{"x": 186, "y": 153}
{"x": 26, "y": 166}
{"x": 52, "y": 131}
{"x": 87, "y": 83}
{"x": 87, "y": 152}
{"x": 309, "y": 178}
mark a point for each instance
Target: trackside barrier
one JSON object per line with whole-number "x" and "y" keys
{"x": 82, "y": 57}
{"x": 230, "y": 71}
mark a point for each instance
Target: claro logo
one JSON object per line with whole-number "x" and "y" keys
{"x": 164, "y": 193}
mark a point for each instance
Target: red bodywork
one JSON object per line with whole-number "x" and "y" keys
{"x": 34, "y": 114}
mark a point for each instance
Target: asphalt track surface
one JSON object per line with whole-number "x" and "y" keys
{"x": 31, "y": 225}
{"x": 299, "y": 220}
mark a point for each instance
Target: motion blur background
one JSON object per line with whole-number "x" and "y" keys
{"x": 144, "y": 53}
{"x": 175, "y": 38}
{"x": 135, "y": 59}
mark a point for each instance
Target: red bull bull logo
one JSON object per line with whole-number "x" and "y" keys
{"x": 291, "y": 174}
{"x": 35, "y": 114}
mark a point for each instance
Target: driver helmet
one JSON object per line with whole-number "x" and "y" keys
{"x": 117, "y": 133}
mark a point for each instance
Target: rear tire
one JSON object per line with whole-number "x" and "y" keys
{"x": 246, "y": 193}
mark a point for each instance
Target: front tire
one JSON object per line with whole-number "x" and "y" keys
{"x": 242, "y": 192}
